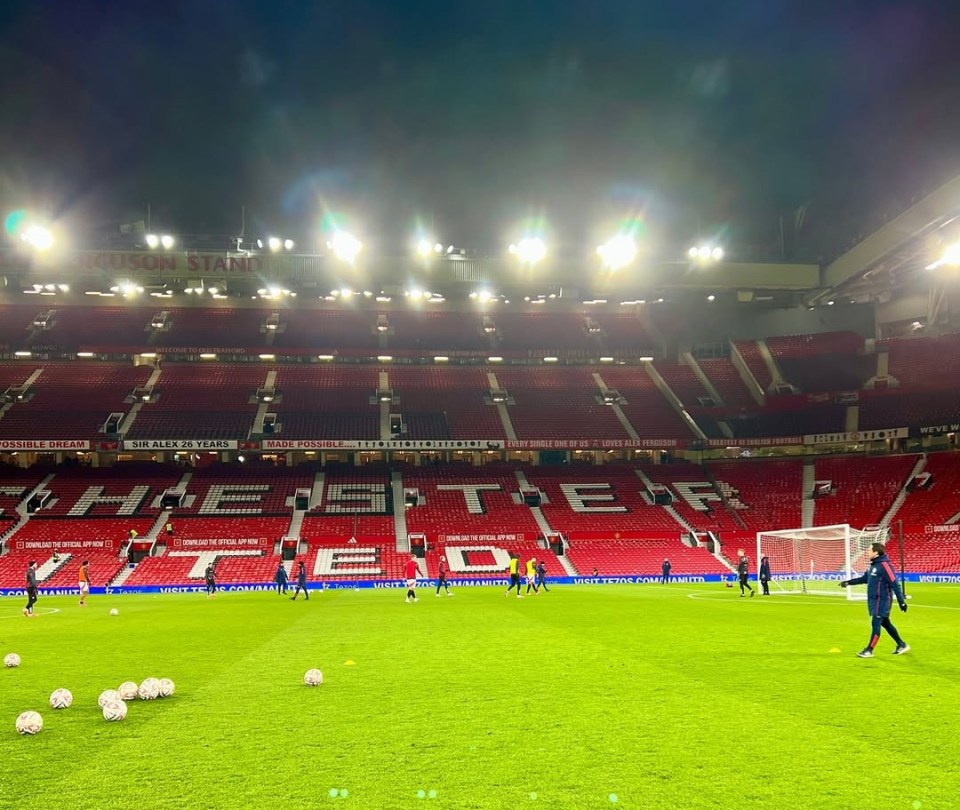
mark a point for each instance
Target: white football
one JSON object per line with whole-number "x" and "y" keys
{"x": 149, "y": 689}
{"x": 11, "y": 660}
{"x": 167, "y": 687}
{"x": 313, "y": 677}
{"x": 127, "y": 690}
{"x": 108, "y": 695}
{"x": 29, "y": 723}
{"x": 114, "y": 612}
{"x": 114, "y": 710}
{"x": 61, "y": 699}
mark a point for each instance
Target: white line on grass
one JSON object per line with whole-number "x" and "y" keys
{"x": 788, "y": 599}
{"x": 46, "y": 612}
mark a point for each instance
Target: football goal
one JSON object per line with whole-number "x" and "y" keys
{"x": 814, "y": 560}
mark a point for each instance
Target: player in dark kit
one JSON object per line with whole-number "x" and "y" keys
{"x": 211, "y": 579}
{"x": 442, "y": 572}
{"x": 31, "y": 588}
{"x": 665, "y": 572}
{"x": 882, "y": 586}
{"x": 765, "y": 575}
{"x": 743, "y": 568}
{"x": 542, "y": 576}
{"x": 281, "y": 579}
{"x": 301, "y": 583}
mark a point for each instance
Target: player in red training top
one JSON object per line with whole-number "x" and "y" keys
{"x": 413, "y": 571}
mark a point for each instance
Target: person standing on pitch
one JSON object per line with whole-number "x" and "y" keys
{"x": 211, "y": 579}
{"x": 514, "y": 575}
{"x": 31, "y": 588}
{"x": 743, "y": 569}
{"x": 882, "y": 586}
{"x": 765, "y": 575}
{"x": 542, "y": 576}
{"x": 84, "y": 582}
{"x": 442, "y": 572}
{"x": 301, "y": 582}
{"x": 281, "y": 579}
{"x": 665, "y": 572}
{"x": 532, "y": 575}
{"x": 412, "y": 572}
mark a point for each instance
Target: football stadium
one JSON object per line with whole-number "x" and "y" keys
{"x": 667, "y": 516}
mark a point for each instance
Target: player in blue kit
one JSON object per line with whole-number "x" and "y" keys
{"x": 882, "y": 586}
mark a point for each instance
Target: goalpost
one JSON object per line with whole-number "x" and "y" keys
{"x": 814, "y": 560}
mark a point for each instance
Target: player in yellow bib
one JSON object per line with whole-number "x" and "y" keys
{"x": 514, "y": 575}
{"x": 532, "y": 575}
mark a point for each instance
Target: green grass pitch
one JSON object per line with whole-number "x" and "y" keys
{"x": 638, "y": 696}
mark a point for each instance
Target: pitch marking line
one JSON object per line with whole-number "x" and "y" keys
{"x": 41, "y": 612}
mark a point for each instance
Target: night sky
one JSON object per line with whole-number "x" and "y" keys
{"x": 473, "y": 116}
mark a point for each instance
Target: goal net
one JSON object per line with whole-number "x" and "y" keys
{"x": 814, "y": 560}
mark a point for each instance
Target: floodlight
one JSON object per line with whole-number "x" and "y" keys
{"x": 424, "y": 248}
{"x": 529, "y": 250}
{"x": 288, "y": 244}
{"x": 716, "y": 254}
{"x": 167, "y": 241}
{"x": 950, "y": 257}
{"x": 345, "y": 246}
{"x": 153, "y": 241}
{"x": 617, "y": 253}
{"x": 693, "y": 253}
{"x": 274, "y": 243}
{"x": 711, "y": 297}
{"x": 38, "y": 237}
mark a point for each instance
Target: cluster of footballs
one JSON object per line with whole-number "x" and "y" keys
{"x": 112, "y": 702}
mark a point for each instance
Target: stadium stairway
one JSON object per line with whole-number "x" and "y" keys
{"x": 122, "y": 576}
{"x": 399, "y": 512}
{"x": 535, "y": 511}
{"x": 617, "y": 410}
{"x": 674, "y": 400}
{"x": 808, "y": 505}
{"x": 21, "y": 509}
{"x": 502, "y": 410}
{"x": 887, "y": 519}
{"x": 50, "y": 566}
{"x": 668, "y": 509}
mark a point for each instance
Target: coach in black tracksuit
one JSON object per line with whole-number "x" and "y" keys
{"x": 743, "y": 568}
{"x": 31, "y": 588}
{"x": 881, "y": 581}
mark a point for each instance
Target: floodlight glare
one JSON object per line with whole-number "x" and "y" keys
{"x": 274, "y": 243}
{"x": 529, "y": 250}
{"x": 153, "y": 241}
{"x": 167, "y": 241}
{"x": 424, "y": 248}
{"x": 950, "y": 257}
{"x": 345, "y": 246}
{"x": 288, "y": 244}
{"x": 717, "y": 254}
{"x": 38, "y": 237}
{"x": 693, "y": 253}
{"x": 618, "y": 252}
